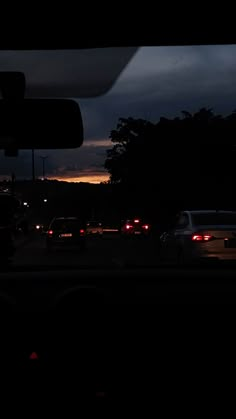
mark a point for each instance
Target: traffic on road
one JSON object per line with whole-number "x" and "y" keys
{"x": 193, "y": 236}
{"x": 197, "y": 236}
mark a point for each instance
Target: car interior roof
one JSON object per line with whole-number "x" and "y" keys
{"x": 66, "y": 33}
{"x": 62, "y": 29}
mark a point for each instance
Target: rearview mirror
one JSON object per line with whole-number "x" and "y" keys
{"x": 40, "y": 124}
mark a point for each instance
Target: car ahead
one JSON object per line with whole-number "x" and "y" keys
{"x": 94, "y": 228}
{"x": 134, "y": 227}
{"x": 201, "y": 235}
{"x": 66, "y": 232}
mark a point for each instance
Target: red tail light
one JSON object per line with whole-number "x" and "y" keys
{"x": 50, "y": 232}
{"x": 197, "y": 238}
{"x": 128, "y": 226}
{"x": 82, "y": 231}
{"x": 136, "y": 221}
{"x": 202, "y": 237}
{"x": 146, "y": 227}
{"x": 207, "y": 237}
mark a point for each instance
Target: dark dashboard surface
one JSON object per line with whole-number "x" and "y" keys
{"x": 105, "y": 334}
{"x": 44, "y": 288}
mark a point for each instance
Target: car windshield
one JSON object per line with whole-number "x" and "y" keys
{"x": 158, "y": 143}
{"x": 214, "y": 219}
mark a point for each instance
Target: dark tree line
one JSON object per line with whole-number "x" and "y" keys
{"x": 187, "y": 161}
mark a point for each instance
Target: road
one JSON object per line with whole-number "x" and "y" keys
{"x": 109, "y": 251}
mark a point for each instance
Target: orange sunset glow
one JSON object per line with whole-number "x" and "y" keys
{"x": 88, "y": 178}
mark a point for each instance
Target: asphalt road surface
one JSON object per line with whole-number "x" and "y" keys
{"x": 109, "y": 251}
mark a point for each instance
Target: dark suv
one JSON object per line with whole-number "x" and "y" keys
{"x": 135, "y": 227}
{"x": 66, "y": 232}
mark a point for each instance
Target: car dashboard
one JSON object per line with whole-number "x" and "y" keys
{"x": 98, "y": 335}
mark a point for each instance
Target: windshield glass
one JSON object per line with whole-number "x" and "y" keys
{"x": 157, "y": 144}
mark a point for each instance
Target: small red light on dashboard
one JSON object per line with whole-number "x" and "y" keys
{"x": 33, "y": 355}
{"x": 50, "y": 232}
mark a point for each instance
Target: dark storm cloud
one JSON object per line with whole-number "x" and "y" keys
{"x": 21, "y": 165}
{"x": 164, "y": 81}
{"x": 157, "y": 82}
{"x": 91, "y": 157}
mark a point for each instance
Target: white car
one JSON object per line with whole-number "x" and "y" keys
{"x": 201, "y": 235}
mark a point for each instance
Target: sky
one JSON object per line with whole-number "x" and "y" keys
{"x": 158, "y": 81}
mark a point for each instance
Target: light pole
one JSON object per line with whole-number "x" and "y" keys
{"x": 43, "y": 162}
{"x": 33, "y": 170}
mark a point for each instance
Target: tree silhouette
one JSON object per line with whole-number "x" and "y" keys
{"x": 186, "y": 160}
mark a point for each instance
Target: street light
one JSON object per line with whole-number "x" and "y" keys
{"x": 45, "y": 200}
{"x": 43, "y": 162}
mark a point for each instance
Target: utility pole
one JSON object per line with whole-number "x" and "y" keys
{"x": 33, "y": 169}
{"x": 43, "y": 162}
